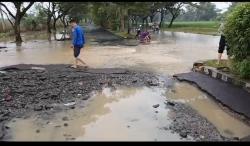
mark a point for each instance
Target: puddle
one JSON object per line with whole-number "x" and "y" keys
{"x": 227, "y": 125}
{"x": 125, "y": 114}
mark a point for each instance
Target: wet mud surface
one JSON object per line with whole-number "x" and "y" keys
{"x": 49, "y": 89}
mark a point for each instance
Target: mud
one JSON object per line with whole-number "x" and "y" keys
{"x": 46, "y": 88}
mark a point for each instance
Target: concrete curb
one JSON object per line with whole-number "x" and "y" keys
{"x": 199, "y": 66}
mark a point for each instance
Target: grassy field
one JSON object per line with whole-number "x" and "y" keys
{"x": 200, "y": 27}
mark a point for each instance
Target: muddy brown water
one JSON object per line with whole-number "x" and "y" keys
{"x": 126, "y": 114}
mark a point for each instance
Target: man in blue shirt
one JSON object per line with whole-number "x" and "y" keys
{"x": 78, "y": 42}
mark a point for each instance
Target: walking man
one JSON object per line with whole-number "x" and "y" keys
{"x": 78, "y": 41}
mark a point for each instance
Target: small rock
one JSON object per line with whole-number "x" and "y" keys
{"x": 65, "y": 124}
{"x": 85, "y": 97}
{"x": 165, "y": 128}
{"x": 7, "y": 127}
{"x": 31, "y": 93}
{"x": 6, "y": 78}
{"x": 156, "y": 112}
{"x": 29, "y": 85}
{"x": 19, "y": 91}
{"x": 65, "y": 118}
{"x": 38, "y": 68}
{"x": 155, "y": 106}
{"x": 70, "y": 104}
{"x": 128, "y": 126}
{"x": 170, "y": 103}
{"x": 57, "y": 126}
{"x": 173, "y": 91}
{"x": 236, "y": 138}
{"x": 152, "y": 82}
{"x": 134, "y": 80}
{"x": 183, "y": 134}
{"x": 42, "y": 78}
{"x": 37, "y": 131}
{"x": 53, "y": 95}
{"x": 66, "y": 135}
{"x": 38, "y": 108}
{"x": 48, "y": 107}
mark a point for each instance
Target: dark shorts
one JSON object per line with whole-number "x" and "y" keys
{"x": 77, "y": 50}
{"x": 223, "y": 45}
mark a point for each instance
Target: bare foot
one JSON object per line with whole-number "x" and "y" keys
{"x": 85, "y": 66}
{"x": 73, "y": 66}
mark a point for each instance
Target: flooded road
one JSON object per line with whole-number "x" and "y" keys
{"x": 126, "y": 113}
{"x": 169, "y": 53}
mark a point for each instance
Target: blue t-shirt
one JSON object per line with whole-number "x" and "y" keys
{"x": 78, "y": 36}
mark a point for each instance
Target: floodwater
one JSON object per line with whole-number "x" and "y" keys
{"x": 101, "y": 119}
{"x": 168, "y": 53}
{"x": 127, "y": 113}
{"x": 227, "y": 125}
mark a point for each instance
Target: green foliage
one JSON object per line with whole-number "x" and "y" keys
{"x": 242, "y": 68}
{"x": 237, "y": 32}
{"x": 35, "y": 21}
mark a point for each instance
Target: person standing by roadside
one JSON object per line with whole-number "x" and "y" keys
{"x": 78, "y": 41}
{"x": 222, "y": 44}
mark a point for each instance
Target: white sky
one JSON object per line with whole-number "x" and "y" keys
{"x": 222, "y": 5}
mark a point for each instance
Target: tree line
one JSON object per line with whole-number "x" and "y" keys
{"x": 120, "y": 16}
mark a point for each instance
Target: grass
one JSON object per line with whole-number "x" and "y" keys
{"x": 213, "y": 63}
{"x": 200, "y": 27}
{"x": 225, "y": 63}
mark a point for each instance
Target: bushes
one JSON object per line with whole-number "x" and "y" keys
{"x": 237, "y": 32}
{"x": 242, "y": 68}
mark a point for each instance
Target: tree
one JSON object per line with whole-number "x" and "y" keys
{"x": 2, "y": 18}
{"x": 175, "y": 12}
{"x": 204, "y": 11}
{"x": 20, "y": 12}
{"x": 223, "y": 15}
{"x": 55, "y": 16}
{"x": 50, "y": 10}
{"x": 167, "y": 6}
{"x": 64, "y": 9}
{"x": 207, "y": 11}
{"x": 29, "y": 21}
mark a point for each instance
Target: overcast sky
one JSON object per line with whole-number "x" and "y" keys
{"x": 222, "y": 5}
